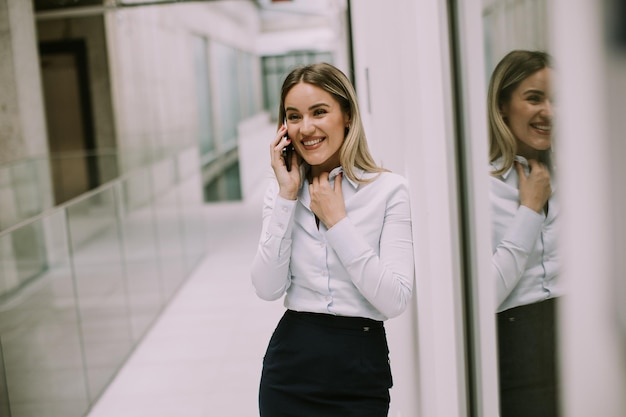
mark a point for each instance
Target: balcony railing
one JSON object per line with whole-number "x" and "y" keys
{"x": 81, "y": 283}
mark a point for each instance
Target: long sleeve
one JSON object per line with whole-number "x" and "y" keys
{"x": 385, "y": 280}
{"x": 270, "y": 267}
{"x": 511, "y": 255}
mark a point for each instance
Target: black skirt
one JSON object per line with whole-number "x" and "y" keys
{"x": 320, "y": 365}
{"x": 527, "y": 349}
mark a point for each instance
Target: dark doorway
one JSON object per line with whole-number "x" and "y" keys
{"x": 71, "y": 140}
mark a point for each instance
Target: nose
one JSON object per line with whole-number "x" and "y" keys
{"x": 307, "y": 128}
{"x": 547, "y": 110}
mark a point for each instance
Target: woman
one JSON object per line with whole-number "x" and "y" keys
{"x": 336, "y": 241}
{"x": 524, "y": 211}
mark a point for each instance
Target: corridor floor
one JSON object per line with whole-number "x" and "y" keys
{"x": 203, "y": 355}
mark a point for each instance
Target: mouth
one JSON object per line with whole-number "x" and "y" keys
{"x": 543, "y": 128}
{"x": 312, "y": 143}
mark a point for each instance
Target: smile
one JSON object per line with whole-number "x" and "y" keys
{"x": 545, "y": 128}
{"x": 312, "y": 142}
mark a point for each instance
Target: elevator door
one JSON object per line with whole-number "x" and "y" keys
{"x": 69, "y": 119}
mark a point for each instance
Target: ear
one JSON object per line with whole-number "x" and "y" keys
{"x": 504, "y": 110}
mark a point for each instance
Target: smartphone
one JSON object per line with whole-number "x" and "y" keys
{"x": 287, "y": 151}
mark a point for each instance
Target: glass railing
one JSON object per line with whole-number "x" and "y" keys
{"x": 81, "y": 283}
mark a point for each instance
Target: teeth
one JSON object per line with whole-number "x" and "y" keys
{"x": 542, "y": 127}
{"x": 312, "y": 142}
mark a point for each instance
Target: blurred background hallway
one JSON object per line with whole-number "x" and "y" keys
{"x": 133, "y": 161}
{"x": 203, "y": 355}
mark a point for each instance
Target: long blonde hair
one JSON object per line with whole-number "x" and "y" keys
{"x": 514, "y": 68}
{"x": 354, "y": 152}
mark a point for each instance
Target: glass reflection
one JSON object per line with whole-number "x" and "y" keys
{"x": 524, "y": 219}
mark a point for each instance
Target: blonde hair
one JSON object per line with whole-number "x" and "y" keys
{"x": 514, "y": 68}
{"x": 354, "y": 151}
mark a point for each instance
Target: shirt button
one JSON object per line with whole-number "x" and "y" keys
{"x": 281, "y": 226}
{"x": 285, "y": 209}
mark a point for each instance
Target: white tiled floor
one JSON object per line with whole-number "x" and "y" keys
{"x": 202, "y": 358}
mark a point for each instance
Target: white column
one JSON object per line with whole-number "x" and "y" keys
{"x": 592, "y": 344}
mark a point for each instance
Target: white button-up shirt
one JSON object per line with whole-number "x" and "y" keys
{"x": 362, "y": 267}
{"x": 524, "y": 242}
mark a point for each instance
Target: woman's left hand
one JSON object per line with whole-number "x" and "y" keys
{"x": 327, "y": 203}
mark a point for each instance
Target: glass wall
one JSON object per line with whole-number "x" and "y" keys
{"x": 228, "y": 82}
{"x": 206, "y": 135}
{"x": 25, "y": 190}
{"x": 276, "y": 68}
{"x": 108, "y": 263}
{"x": 231, "y": 95}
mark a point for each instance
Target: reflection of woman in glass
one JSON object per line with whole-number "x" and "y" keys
{"x": 336, "y": 241}
{"x": 524, "y": 213}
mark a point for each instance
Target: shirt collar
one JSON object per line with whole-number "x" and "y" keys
{"x": 359, "y": 173}
{"x": 499, "y": 163}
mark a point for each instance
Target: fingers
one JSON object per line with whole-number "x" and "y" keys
{"x": 535, "y": 169}
{"x": 338, "y": 179}
{"x": 323, "y": 181}
{"x": 280, "y": 140}
{"x": 534, "y": 188}
{"x": 277, "y": 145}
{"x": 327, "y": 199}
{"x": 533, "y": 164}
{"x": 280, "y": 134}
{"x": 520, "y": 171}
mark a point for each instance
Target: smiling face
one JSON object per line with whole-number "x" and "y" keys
{"x": 316, "y": 126}
{"x": 528, "y": 114}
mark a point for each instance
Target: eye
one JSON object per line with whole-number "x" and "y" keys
{"x": 293, "y": 117}
{"x": 319, "y": 112}
{"x": 534, "y": 98}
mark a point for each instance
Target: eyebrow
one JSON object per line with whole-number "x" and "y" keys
{"x": 534, "y": 91}
{"x": 313, "y": 107}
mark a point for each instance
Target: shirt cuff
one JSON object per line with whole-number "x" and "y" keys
{"x": 526, "y": 225}
{"x": 281, "y": 222}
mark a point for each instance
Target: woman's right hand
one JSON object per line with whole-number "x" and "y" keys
{"x": 288, "y": 181}
{"x": 534, "y": 189}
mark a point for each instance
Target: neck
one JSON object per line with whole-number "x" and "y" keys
{"x": 318, "y": 169}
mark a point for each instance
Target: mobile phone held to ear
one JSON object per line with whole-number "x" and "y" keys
{"x": 287, "y": 151}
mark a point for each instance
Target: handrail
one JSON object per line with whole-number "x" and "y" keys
{"x": 86, "y": 195}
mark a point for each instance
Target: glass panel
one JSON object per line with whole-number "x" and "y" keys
{"x": 531, "y": 287}
{"x": 39, "y": 333}
{"x": 24, "y": 258}
{"x": 276, "y": 68}
{"x": 247, "y": 84}
{"x": 24, "y": 191}
{"x": 140, "y": 252}
{"x": 233, "y": 182}
{"x": 192, "y": 208}
{"x": 206, "y": 137}
{"x": 71, "y": 314}
{"x": 229, "y": 107}
{"x": 168, "y": 226}
{"x": 101, "y": 287}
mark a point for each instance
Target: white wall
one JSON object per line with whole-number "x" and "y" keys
{"x": 591, "y": 87}
{"x": 403, "y": 81}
